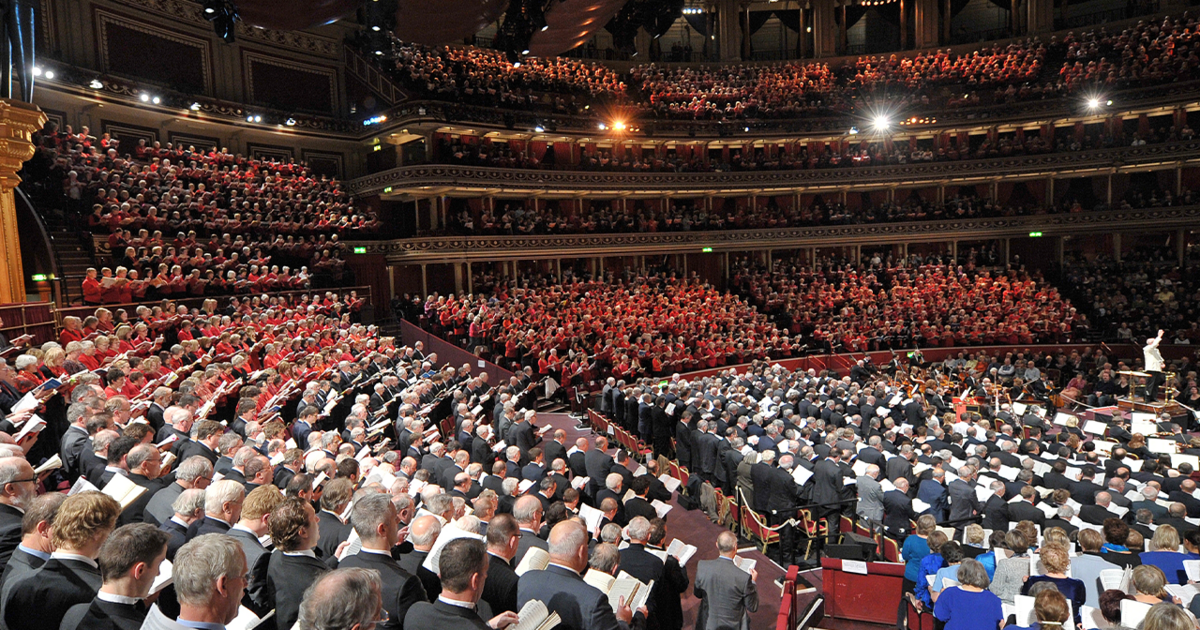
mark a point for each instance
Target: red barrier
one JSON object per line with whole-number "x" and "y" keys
{"x": 451, "y": 354}
{"x": 871, "y": 591}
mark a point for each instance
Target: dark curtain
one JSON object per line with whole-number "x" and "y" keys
{"x": 854, "y": 13}
{"x": 698, "y": 22}
{"x": 757, "y": 19}
{"x": 890, "y": 12}
{"x": 790, "y": 19}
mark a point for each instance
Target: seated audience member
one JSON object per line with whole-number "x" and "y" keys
{"x": 1164, "y": 553}
{"x": 1057, "y": 562}
{"x": 969, "y": 606}
{"x": 1050, "y": 610}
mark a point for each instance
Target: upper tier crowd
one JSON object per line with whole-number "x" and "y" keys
{"x": 187, "y": 222}
{"x": 1148, "y": 53}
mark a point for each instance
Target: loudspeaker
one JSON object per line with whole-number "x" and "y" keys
{"x": 845, "y": 552}
{"x": 865, "y": 545}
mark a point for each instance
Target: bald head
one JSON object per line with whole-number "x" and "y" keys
{"x": 568, "y": 544}
{"x": 424, "y": 531}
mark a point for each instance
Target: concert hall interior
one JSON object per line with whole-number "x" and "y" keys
{"x": 599, "y": 314}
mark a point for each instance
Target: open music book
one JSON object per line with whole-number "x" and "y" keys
{"x": 535, "y": 560}
{"x": 535, "y": 616}
{"x": 745, "y": 564}
{"x": 247, "y": 620}
{"x": 123, "y": 490}
{"x": 624, "y": 585}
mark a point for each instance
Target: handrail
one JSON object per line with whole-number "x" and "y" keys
{"x": 47, "y": 240}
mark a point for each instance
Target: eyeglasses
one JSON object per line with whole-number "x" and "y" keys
{"x": 384, "y": 617}
{"x": 30, "y": 480}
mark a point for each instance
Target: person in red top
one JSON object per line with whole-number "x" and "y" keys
{"x": 92, "y": 293}
{"x": 110, "y": 286}
{"x": 71, "y": 331}
{"x": 116, "y": 383}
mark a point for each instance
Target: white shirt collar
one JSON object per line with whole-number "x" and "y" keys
{"x": 306, "y": 552}
{"x": 378, "y": 552}
{"x": 117, "y": 599}
{"x": 243, "y": 528}
{"x": 62, "y": 555}
{"x": 455, "y": 602}
{"x": 180, "y": 521}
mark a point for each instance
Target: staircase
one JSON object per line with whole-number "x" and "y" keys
{"x": 73, "y": 251}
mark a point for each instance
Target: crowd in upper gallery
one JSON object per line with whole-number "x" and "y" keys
{"x": 1146, "y": 54}
{"x": 182, "y": 221}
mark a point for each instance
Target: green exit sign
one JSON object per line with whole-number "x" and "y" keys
{"x": 40, "y": 277}
{"x": 360, "y": 250}
{"x": 1034, "y": 234}
{"x": 707, "y": 250}
{"x": 387, "y": 189}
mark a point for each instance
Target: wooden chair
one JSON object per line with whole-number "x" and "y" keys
{"x": 917, "y": 619}
{"x": 891, "y": 550}
{"x": 846, "y": 525}
{"x": 812, "y": 529}
{"x": 756, "y": 529}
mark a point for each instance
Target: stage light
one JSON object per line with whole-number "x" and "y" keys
{"x": 144, "y": 97}
{"x": 854, "y": 131}
{"x": 619, "y": 125}
{"x": 156, "y": 100}
{"x": 881, "y": 123}
{"x": 49, "y": 74}
{"x": 1093, "y": 103}
{"x": 37, "y": 71}
{"x": 516, "y": 64}
{"x": 291, "y": 122}
{"x": 746, "y": 129}
{"x": 539, "y": 129}
{"x": 525, "y": 52}
{"x": 195, "y": 106}
{"x": 96, "y": 84}
{"x": 602, "y": 126}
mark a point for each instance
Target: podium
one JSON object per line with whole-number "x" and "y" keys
{"x": 868, "y": 591}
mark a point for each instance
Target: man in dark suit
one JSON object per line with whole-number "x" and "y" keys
{"x": 964, "y": 503}
{"x": 704, "y": 457}
{"x": 423, "y": 532}
{"x": 683, "y": 442}
{"x": 248, "y": 531}
{"x": 1084, "y": 491}
{"x": 129, "y": 562}
{"x": 528, "y": 513}
{"x": 500, "y": 591}
{"x": 598, "y": 464}
{"x": 520, "y": 434}
{"x": 577, "y": 459}
{"x": 82, "y": 524}
{"x": 561, "y": 587}
{"x": 18, "y": 489}
{"x": 374, "y": 518}
{"x": 459, "y": 465}
{"x": 36, "y": 545}
{"x": 536, "y": 468}
{"x": 145, "y": 464}
{"x": 192, "y": 473}
{"x": 1024, "y": 510}
{"x": 464, "y": 567}
{"x": 222, "y": 508}
{"x": 555, "y": 448}
{"x": 293, "y": 566}
{"x": 898, "y": 509}
{"x": 207, "y": 433}
{"x": 995, "y": 511}
{"x": 645, "y": 566}
{"x": 639, "y": 505}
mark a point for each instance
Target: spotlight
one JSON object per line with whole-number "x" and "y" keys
{"x": 619, "y": 125}
{"x": 747, "y": 128}
{"x": 156, "y": 100}
{"x": 854, "y": 131}
{"x": 49, "y": 74}
{"x": 375, "y": 28}
{"x": 37, "y": 71}
{"x": 1093, "y": 103}
{"x": 291, "y": 122}
{"x": 602, "y": 126}
{"x": 195, "y": 106}
{"x": 881, "y": 123}
{"x": 539, "y": 129}
{"x": 250, "y": 119}
{"x": 144, "y": 97}
{"x": 96, "y": 84}
{"x": 525, "y": 52}
{"x": 545, "y": 28}
{"x": 223, "y": 15}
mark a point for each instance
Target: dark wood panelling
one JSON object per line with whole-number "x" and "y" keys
{"x": 202, "y": 143}
{"x": 290, "y": 86}
{"x": 128, "y": 134}
{"x": 131, "y": 48}
{"x": 322, "y": 163}
{"x": 270, "y": 152}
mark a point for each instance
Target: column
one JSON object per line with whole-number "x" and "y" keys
{"x": 769, "y": 253}
{"x": 1004, "y": 249}
{"x": 1180, "y": 245}
{"x": 684, "y": 265}
{"x": 558, "y": 268}
{"x": 1109, "y": 191}
{"x": 954, "y": 251}
{"x": 826, "y": 33}
{"x": 1178, "y": 179}
{"x": 391, "y": 282}
{"x": 1116, "y": 243}
{"x": 424, "y": 283}
{"x": 1050, "y": 191}
{"x": 17, "y": 121}
{"x": 726, "y": 276}
{"x": 470, "y": 280}
{"x": 458, "y": 278}
{"x": 994, "y": 187}
{"x": 1058, "y": 251}
{"x": 1040, "y": 16}
{"x": 728, "y": 32}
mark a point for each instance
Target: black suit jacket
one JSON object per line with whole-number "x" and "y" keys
{"x": 333, "y": 533}
{"x": 638, "y": 506}
{"x": 500, "y": 590}
{"x": 287, "y": 579}
{"x": 995, "y": 514}
{"x": 41, "y": 600}
{"x": 206, "y": 525}
{"x": 412, "y": 563}
{"x": 897, "y": 512}
{"x": 579, "y": 605}
{"x": 1094, "y": 514}
{"x": 553, "y": 450}
{"x": 598, "y": 464}
{"x": 578, "y": 463}
{"x": 401, "y": 589}
{"x": 257, "y": 597}
{"x": 178, "y": 535}
{"x": 102, "y": 615}
{"x": 10, "y": 531}
{"x": 428, "y": 616}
